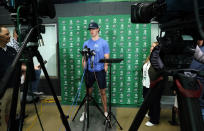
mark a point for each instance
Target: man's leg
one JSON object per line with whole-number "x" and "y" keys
{"x": 36, "y": 81}
{"x": 101, "y": 79}
{"x": 89, "y": 80}
{"x": 90, "y": 91}
{"x": 104, "y": 99}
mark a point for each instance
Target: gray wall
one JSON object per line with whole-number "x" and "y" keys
{"x": 77, "y": 9}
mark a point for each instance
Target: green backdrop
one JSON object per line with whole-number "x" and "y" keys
{"x": 126, "y": 40}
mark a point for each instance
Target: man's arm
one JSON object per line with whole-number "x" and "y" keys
{"x": 199, "y": 55}
{"x": 106, "y": 56}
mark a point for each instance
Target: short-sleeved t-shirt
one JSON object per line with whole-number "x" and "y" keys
{"x": 101, "y": 48}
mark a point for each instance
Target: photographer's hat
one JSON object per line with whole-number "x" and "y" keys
{"x": 93, "y": 25}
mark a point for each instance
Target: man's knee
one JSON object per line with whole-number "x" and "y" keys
{"x": 103, "y": 92}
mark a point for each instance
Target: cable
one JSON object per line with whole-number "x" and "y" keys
{"x": 75, "y": 100}
{"x": 95, "y": 77}
{"x": 50, "y": 100}
{"x": 196, "y": 12}
{"x": 96, "y": 80}
{"x": 34, "y": 121}
{"x": 77, "y": 95}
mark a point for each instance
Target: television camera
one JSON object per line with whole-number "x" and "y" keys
{"x": 26, "y": 15}
{"x": 179, "y": 23}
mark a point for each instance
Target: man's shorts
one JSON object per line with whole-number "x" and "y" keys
{"x": 90, "y": 78}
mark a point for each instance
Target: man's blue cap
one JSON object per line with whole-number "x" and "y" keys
{"x": 93, "y": 25}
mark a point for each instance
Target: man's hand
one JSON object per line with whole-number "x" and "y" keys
{"x": 106, "y": 56}
{"x": 106, "y": 67}
{"x": 37, "y": 67}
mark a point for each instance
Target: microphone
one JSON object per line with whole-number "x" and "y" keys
{"x": 92, "y": 58}
{"x": 85, "y": 51}
{"x": 93, "y": 53}
{"x": 85, "y": 48}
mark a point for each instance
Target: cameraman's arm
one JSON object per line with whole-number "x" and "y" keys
{"x": 199, "y": 55}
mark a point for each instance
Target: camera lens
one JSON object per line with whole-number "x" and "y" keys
{"x": 141, "y": 12}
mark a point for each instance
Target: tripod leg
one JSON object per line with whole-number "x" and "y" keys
{"x": 189, "y": 106}
{"x": 63, "y": 117}
{"x": 173, "y": 116}
{"x": 87, "y": 110}
{"x": 116, "y": 121}
{"x": 12, "y": 117}
{"x": 151, "y": 94}
{"x": 25, "y": 92}
{"x": 37, "y": 113}
{"x": 189, "y": 114}
{"x": 82, "y": 103}
{"x": 101, "y": 111}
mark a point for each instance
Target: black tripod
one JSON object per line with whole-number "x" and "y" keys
{"x": 32, "y": 51}
{"x": 110, "y": 114}
{"x": 188, "y": 91}
{"x": 87, "y": 97}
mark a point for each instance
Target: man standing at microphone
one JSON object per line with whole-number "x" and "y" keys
{"x": 96, "y": 71}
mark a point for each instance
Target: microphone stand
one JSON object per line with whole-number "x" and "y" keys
{"x": 87, "y": 97}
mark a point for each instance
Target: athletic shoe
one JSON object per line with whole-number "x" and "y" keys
{"x": 38, "y": 93}
{"x": 82, "y": 117}
{"x": 149, "y": 124}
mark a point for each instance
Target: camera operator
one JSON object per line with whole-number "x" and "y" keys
{"x": 96, "y": 71}
{"x": 13, "y": 42}
{"x": 199, "y": 66}
{"x": 7, "y": 55}
{"x": 199, "y": 55}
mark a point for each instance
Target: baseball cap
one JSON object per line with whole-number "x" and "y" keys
{"x": 93, "y": 25}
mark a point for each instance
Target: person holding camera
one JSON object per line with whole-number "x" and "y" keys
{"x": 96, "y": 71}
{"x": 7, "y": 55}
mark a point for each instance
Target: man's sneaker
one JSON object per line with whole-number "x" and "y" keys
{"x": 38, "y": 93}
{"x": 106, "y": 114}
{"x": 149, "y": 124}
{"x": 82, "y": 117}
{"x": 147, "y": 115}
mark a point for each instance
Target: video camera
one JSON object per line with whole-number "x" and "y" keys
{"x": 181, "y": 26}
{"x": 26, "y": 15}
{"x": 163, "y": 10}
